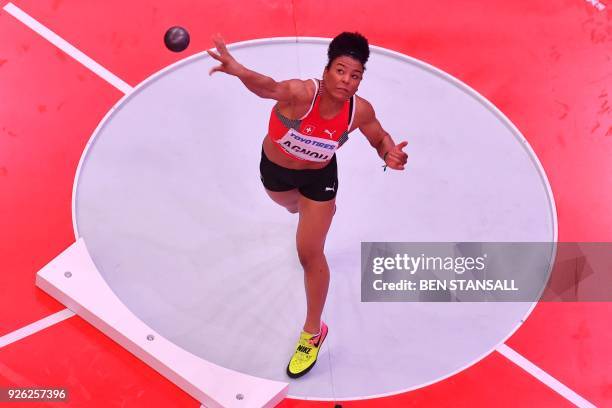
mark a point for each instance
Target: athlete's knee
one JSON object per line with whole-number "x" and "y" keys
{"x": 310, "y": 255}
{"x": 288, "y": 199}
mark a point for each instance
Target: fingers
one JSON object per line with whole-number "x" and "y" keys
{"x": 400, "y": 156}
{"x": 220, "y": 44}
{"x": 218, "y": 58}
{"x": 396, "y": 160}
{"x": 222, "y": 55}
{"x": 218, "y": 68}
{"x": 396, "y": 166}
{"x": 221, "y": 47}
{"x": 212, "y": 54}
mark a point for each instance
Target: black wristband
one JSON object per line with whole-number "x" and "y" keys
{"x": 384, "y": 159}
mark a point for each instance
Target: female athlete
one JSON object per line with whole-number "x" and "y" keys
{"x": 310, "y": 121}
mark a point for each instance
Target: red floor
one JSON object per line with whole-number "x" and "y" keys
{"x": 545, "y": 64}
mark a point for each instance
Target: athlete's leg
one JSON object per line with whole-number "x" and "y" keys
{"x": 287, "y": 199}
{"x": 313, "y": 225}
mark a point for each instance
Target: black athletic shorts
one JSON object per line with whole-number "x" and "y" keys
{"x": 319, "y": 185}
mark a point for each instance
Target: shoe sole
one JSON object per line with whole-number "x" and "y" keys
{"x": 298, "y": 375}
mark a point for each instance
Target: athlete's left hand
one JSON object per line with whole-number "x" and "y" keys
{"x": 396, "y": 158}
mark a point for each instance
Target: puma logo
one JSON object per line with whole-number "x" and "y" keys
{"x": 331, "y": 134}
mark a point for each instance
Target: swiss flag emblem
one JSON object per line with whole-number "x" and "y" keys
{"x": 309, "y": 129}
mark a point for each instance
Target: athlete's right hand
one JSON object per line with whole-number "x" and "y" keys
{"x": 228, "y": 64}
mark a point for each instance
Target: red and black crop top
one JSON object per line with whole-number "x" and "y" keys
{"x": 311, "y": 137}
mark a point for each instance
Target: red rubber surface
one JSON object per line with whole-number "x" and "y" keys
{"x": 50, "y": 106}
{"x": 96, "y": 371}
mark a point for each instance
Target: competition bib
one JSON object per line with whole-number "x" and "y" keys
{"x": 307, "y": 147}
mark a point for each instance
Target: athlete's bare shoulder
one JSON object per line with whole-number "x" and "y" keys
{"x": 297, "y": 91}
{"x": 301, "y": 96}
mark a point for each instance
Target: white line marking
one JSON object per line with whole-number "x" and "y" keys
{"x": 35, "y": 327}
{"x": 69, "y": 49}
{"x": 543, "y": 376}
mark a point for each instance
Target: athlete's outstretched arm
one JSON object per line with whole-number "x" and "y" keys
{"x": 391, "y": 153}
{"x": 261, "y": 85}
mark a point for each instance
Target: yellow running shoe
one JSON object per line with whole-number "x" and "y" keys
{"x": 306, "y": 352}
